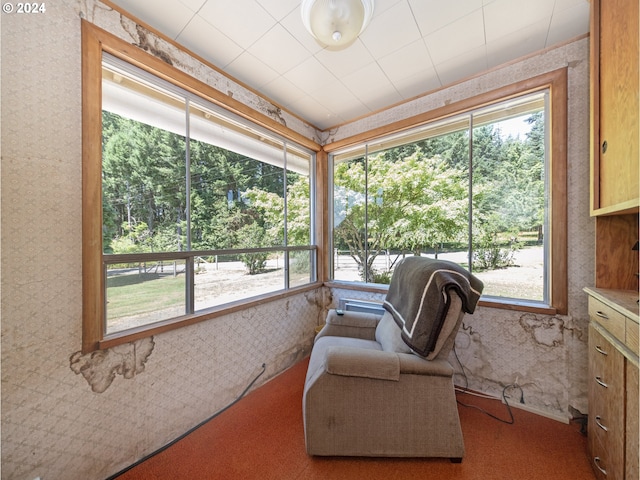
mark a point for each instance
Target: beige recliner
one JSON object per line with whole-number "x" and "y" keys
{"x": 367, "y": 393}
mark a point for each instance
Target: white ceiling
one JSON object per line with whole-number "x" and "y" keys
{"x": 409, "y": 48}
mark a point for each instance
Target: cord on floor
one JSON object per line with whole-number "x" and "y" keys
{"x": 191, "y": 430}
{"x": 466, "y": 390}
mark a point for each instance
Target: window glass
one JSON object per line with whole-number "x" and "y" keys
{"x": 349, "y": 219}
{"x": 144, "y": 293}
{"x": 509, "y": 206}
{"x": 199, "y": 208}
{"x": 470, "y": 188}
{"x": 143, "y": 167}
{"x": 221, "y": 279}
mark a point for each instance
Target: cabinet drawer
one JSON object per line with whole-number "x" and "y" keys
{"x": 599, "y": 456}
{"x": 606, "y": 406}
{"x": 632, "y": 330}
{"x": 609, "y": 318}
{"x": 606, "y": 367}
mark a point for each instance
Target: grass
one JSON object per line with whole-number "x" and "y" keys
{"x": 133, "y": 294}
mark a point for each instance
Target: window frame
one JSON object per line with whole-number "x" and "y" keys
{"x": 556, "y": 83}
{"x": 95, "y": 42}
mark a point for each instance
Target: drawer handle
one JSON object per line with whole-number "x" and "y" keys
{"x": 602, "y": 315}
{"x": 600, "y": 350}
{"x": 596, "y": 460}
{"x": 600, "y": 382}
{"x": 598, "y": 418}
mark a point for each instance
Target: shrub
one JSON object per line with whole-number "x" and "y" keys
{"x": 490, "y": 254}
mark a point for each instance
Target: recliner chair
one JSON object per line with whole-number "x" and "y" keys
{"x": 367, "y": 393}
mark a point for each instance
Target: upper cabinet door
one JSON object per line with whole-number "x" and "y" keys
{"x": 615, "y": 106}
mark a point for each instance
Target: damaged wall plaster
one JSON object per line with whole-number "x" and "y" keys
{"x": 100, "y": 368}
{"x": 547, "y": 331}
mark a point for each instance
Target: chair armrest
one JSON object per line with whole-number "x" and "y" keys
{"x": 362, "y": 362}
{"x": 415, "y": 365}
{"x": 350, "y": 324}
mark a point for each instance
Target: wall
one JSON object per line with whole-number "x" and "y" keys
{"x": 547, "y": 355}
{"x": 53, "y": 424}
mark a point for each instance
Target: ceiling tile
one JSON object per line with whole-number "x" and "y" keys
{"x": 564, "y": 4}
{"x": 397, "y": 19}
{"x": 283, "y": 91}
{"x": 432, "y": 15}
{"x": 456, "y": 38}
{"x": 503, "y": 17}
{"x": 463, "y": 66}
{"x": 251, "y": 71}
{"x": 310, "y": 76}
{"x": 243, "y": 21}
{"x": 381, "y": 6}
{"x": 310, "y": 109}
{"x": 345, "y": 61}
{"x": 517, "y": 44}
{"x": 193, "y": 5}
{"x": 340, "y": 100}
{"x": 369, "y": 83}
{"x": 279, "y": 9}
{"x": 418, "y": 84}
{"x": 270, "y": 47}
{"x": 293, "y": 24}
{"x": 166, "y": 16}
{"x": 218, "y": 48}
{"x": 568, "y": 22}
{"x": 406, "y": 62}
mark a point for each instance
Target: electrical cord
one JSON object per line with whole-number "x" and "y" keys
{"x": 466, "y": 390}
{"x": 191, "y": 430}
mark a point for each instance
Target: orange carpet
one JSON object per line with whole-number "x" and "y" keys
{"x": 261, "y": 437}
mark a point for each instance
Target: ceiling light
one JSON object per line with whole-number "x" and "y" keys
{"x": 336, "y": 23}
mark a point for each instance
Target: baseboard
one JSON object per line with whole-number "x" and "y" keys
{"x": 516, "y": 404}
{"x": 539, "y": 411}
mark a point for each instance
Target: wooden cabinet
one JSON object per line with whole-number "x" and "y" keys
{"x": 613, "y": 384}
{"x": 631, "y": 451}
{"x": 615, "y": 106}
{"x": 615, "y": 194}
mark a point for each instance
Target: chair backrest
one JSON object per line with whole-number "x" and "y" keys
{"x": 389, "y": 333}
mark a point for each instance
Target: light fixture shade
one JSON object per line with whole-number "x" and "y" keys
{"x": 336, "y": 23}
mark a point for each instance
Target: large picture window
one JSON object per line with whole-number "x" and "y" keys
{"x": 473, "y": 187}
{"x": 201, "y": 211}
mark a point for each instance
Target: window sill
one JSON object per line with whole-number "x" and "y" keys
{"x": 489, "y": 302}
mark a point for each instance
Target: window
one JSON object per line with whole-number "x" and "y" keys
{"x": 201, "y": 210}
{"x": 471, "y": 186}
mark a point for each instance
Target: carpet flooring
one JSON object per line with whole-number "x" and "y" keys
{"x": 261, "y": 437}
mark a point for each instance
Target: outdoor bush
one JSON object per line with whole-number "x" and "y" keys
{"x": 490, "y": 254}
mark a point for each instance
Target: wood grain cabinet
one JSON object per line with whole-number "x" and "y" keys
{"x": 615, "y": 139}
{"x": 613, "y": 384}
{"x": 615, "y": 201}
{"x": 614, "y": 106}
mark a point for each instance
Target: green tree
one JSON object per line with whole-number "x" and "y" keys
{"x": 412, "y": 203}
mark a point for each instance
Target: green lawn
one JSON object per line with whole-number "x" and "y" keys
{"x": 134, "y": 294}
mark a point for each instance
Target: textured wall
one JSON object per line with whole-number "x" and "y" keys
{"x": 546, "y": 354}
{"x": 53, "y": 424}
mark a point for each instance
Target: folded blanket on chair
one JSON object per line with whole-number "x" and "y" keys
{"x": 419, "y": 299}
